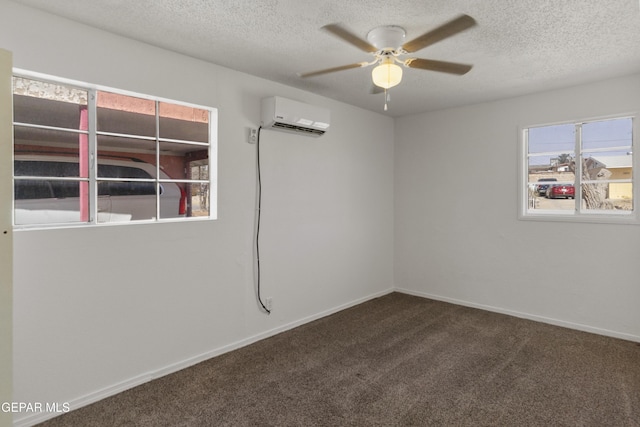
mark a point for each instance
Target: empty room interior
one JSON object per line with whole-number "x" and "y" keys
{"x": 335, "y": 213}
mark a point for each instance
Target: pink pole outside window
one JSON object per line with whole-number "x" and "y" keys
{"x": 83, "y": 146}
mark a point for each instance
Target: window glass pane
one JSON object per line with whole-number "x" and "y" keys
{"x": 617, "y": 197}
{"x": 199, "y": 199}
{"x": 123, "y": 169}
{"x": 538, "y": 165}
{"x": 173, "y": 200}
{"x": 127, "y": 201}
{"x": 29, "y": 140}
{"x": 607, "y": 133}
{"x": 126, "y": 114}
{"x": 607, "y": 165}
{"x": 552, "y": 192}
{"x": 621, "y": 195}
{"x": 176, "y": 158}
{"x": 198, "y": 193}
{"x": 173, "y": 162}
{"x": 558, "y": 138}
{"x": 183, "y": 123}
{"x": 120, "y": 157}
{"x": 66, "y": 189}
{"x": 49, "y": 201}
{"x": 49, "y": 104}
{"x": 118, "y": 146}
{"x": 28, "y": 189}
{"x": 610, "y": 165}
{"x": 615, "y": 170}
{"x": 551, "y": 182}
{"x": 186, "y": 162}
{"x": 126, "y": 188}
{"x": 557, "y": 197}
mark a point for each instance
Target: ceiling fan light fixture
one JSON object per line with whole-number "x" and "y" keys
{"x": 387, "y": 74}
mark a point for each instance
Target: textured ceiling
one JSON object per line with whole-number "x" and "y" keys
{"x": 518, "y": 46}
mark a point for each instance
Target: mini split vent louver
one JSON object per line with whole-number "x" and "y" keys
{"x": 285, "y": 127}
{"x": 296, "y": 117}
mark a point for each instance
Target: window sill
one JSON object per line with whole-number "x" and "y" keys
{"x": 595, "y": 218}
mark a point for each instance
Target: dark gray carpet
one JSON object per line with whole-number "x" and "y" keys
{"x": 398, "y": 360}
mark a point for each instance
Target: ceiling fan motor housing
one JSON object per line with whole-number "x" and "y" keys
{"x": 387, "y": 38}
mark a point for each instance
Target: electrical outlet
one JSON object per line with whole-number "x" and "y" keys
{"x": 268, "y": 302}
{"x": 253, "y": 135}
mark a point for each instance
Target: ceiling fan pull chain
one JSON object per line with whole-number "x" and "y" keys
{"x": 387, "y": 98}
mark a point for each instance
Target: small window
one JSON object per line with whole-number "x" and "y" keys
{"x": 581, "y": 170}
{"x": 86, "y": 155}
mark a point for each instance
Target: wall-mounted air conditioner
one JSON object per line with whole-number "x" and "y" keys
{"x": 292, "y": 116}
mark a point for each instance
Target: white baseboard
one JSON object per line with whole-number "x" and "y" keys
{"x": 38, "y": 417}
{"x": 528, "y": 316}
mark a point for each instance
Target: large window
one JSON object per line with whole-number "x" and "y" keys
{"x": 85, "y": 155}
{"x": 580, "y": 170}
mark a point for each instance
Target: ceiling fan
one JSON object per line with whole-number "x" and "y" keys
{"x": 386, "y": 45}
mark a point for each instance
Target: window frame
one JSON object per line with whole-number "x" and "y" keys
{"x": 577, "y": 215}
{"x": 93, "y": 135}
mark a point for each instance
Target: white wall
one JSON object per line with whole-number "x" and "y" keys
{"x": 101, "y": 309}
{"x": 457, "y": 233}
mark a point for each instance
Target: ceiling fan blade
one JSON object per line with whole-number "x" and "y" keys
{"x": 332, "y": 70}
{"x": 452, "y": 27}
{"x": 349, "y": 37}
{"x": 441, "y": 66}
